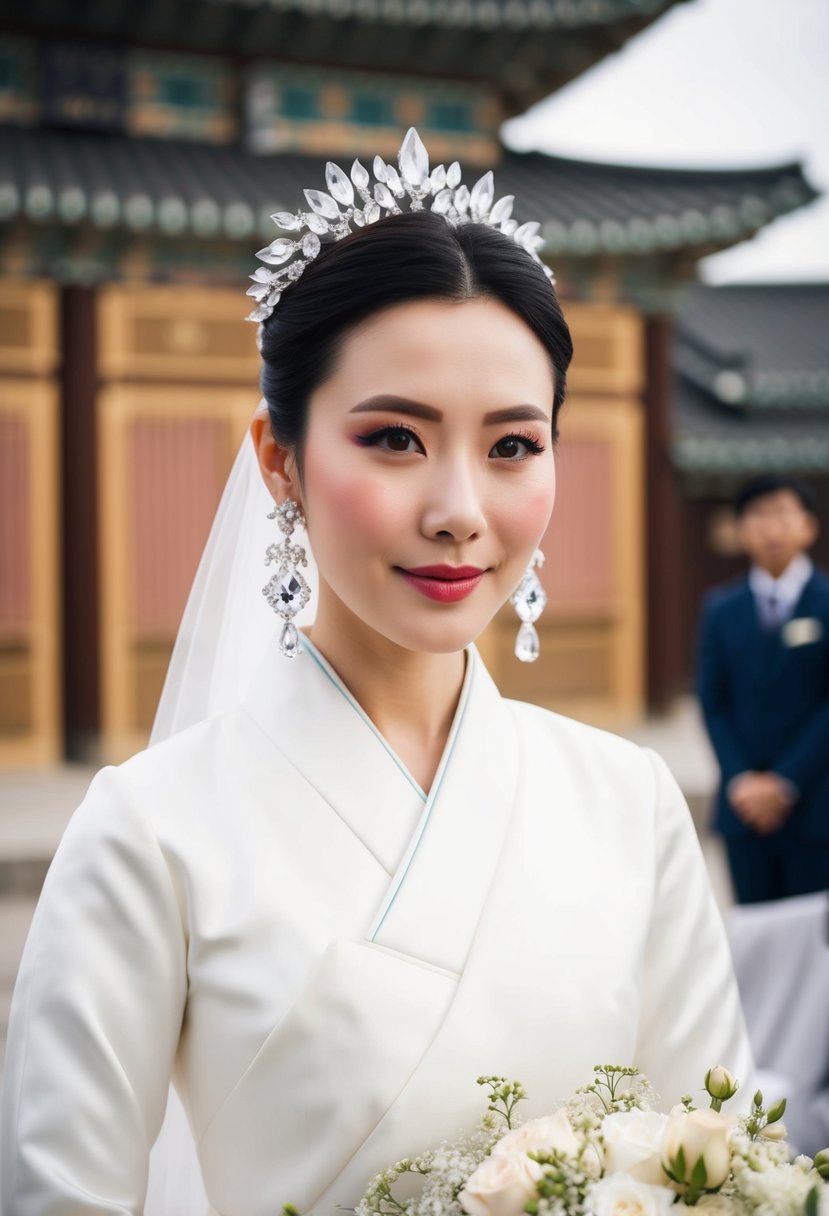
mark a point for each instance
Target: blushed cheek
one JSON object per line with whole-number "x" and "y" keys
{"x": 351, "y": 503}
{"x": 533, "y": 513}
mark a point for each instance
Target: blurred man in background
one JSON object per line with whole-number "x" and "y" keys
{"x": 764, "y": 688}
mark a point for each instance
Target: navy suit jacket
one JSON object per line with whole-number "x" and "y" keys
{"x": 765, "y": 698}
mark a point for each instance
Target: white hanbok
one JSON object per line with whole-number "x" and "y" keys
{"x": 324, "y": 956}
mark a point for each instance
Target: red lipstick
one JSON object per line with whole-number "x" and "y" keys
{"x": 446, "y": 584}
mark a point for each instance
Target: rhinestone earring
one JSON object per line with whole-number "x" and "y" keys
{"x": 529, "y": 600}
{"x": 287, "y": 591}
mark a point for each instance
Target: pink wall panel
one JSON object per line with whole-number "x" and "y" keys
{"x": 15, "y": 527}
{"x": 177, "y": 468}
{"x": 578, "y": 573}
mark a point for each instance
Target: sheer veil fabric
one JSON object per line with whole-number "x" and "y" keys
{"x": 227, "y": 624}
{"x": 226, "y": 628}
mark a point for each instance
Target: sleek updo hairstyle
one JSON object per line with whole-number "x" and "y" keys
{"x": 414, "y": 256}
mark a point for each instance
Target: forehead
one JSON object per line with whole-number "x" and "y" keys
{"x": 430, "y": 349}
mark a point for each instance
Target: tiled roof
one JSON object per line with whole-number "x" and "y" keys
{"x": 180, "y": 189}
{"x": 522, "y": 50}
{"x": 471, "y": 14}
{"x": 752, "y": 387}
{"x": 618, "y": 209}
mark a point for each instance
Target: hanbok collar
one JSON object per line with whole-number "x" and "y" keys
{"x": 430, "y": 845}
{"x": 305, "y": 708}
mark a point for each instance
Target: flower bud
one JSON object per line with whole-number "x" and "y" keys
{"x": 720, "y": 1083}
{"x": 777, "y": 1111}
{"x": 822, "y": 1163}
{"x": 774, "y": 1131}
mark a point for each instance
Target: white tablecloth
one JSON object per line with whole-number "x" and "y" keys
{"x": 781, "y": 957}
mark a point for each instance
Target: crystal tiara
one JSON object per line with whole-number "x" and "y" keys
{"x": 352, "y": 202}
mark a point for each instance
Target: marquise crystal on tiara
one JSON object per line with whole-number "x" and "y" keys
{"x": 353, "y": 202}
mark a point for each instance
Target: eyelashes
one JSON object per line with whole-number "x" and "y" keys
{"x": 533, "y": 445}
{"x": 405, "y": 439}
{"x": 396, "y": 436}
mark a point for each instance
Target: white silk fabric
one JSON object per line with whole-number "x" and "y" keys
{"x": 269, "y": 908}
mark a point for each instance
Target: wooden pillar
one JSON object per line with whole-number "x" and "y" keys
{"x": 81, "y": 695}
{"x": 664, "y": 556}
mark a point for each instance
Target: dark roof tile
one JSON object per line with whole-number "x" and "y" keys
{"x": 752, "y": 385}
{"x": 176, "y": 187}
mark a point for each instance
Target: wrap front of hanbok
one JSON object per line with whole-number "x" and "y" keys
{"x": 325, "y": 957}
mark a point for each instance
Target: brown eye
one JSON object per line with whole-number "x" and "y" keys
{"x": 516, "y": 447}
{"x": 398, "y": 441}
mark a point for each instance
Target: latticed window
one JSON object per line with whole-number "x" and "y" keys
{"x": 370, "y": 109}
{"x": 450, "y": 116}
{"x": 298, "y": 102}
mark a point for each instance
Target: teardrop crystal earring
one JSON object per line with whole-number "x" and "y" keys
{"x": 287, "y": 591}
{"x": 529, "y": 600}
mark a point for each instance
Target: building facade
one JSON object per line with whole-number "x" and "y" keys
{"x": 142, "y": 154}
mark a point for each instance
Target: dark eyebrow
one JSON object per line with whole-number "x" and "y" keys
{"x": 517, "y": 413}
{"x": 416, "y": 409}
{"x": 398, "y": 405}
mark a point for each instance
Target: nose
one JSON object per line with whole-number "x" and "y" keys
{"x": 775, "y": 530}
{"x": 453, "y": 510}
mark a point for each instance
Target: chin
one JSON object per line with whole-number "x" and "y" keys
{"x": 439, "y": 638}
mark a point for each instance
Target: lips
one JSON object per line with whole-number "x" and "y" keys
{"x": 449, "y": 573}
{"x": 446, "y": 584}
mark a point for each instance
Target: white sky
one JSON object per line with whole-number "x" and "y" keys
{"x": 713, "y": 83}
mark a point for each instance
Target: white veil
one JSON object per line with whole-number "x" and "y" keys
{"x": 226, "y": 628}
{"x": 227, "y": 625}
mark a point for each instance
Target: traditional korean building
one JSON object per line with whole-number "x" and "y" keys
{"x": 143, "y": 150}
{"x": 751, "y": 396}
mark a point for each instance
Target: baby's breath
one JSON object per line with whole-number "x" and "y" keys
{"x": 570, "y": 1181}
{"x": 444, "y": 1172}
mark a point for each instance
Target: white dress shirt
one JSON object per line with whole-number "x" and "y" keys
{"x": 777, "y": 597}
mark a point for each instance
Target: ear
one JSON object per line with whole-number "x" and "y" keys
{"x": 277, "y": 464}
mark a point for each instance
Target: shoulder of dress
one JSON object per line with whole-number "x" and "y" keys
{"x": 581, "y": 736}
{"x": 191, "y": 744}
{"x": 179, "y": 776}
{"x": 613, "y": 779}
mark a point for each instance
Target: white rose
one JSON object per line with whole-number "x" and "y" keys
{"x": 540, "y": 1135}
{"x": 719, "y": 1205}
{"x": 700, "y": 1134}
{"x": 619, "y": 1195}
{"x": 500, "y": 1186}
{"x": 633, "y": 1144}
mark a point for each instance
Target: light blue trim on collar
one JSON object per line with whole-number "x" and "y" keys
{"x": 328, "y": 671}
{"x": 420, "y": 831}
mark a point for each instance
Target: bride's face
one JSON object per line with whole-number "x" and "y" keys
{"x": 428, "y": 473}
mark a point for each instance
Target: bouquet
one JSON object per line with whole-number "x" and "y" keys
{"x": 607, "y": 1152}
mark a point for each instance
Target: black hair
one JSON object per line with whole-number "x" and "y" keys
{"x": 772, "y": 483}
{"x": 414, "y": 256}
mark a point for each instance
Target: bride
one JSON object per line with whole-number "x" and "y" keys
{"x": 353, "y": 877}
